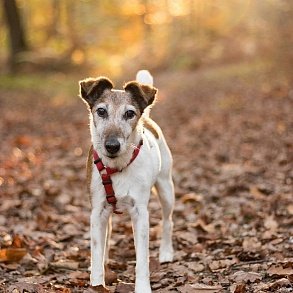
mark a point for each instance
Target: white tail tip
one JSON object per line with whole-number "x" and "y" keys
{"x": 144, "y": 76}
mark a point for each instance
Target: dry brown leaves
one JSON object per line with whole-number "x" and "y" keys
{"x": 233, "y": 179}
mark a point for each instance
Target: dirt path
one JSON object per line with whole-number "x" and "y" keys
{"x": 231, "y": 137}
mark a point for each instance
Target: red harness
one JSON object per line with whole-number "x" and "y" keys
{"x": 106, "y": 177}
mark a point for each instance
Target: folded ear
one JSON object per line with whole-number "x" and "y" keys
{"x": 144, "y": 95}
{"x": 90, "y": 89}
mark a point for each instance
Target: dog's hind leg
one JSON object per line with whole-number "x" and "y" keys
{"x": 165, "y": 188}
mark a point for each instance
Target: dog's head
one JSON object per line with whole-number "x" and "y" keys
{"x": 115, "y": 114}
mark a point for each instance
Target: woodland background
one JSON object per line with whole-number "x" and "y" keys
{"x": 224, "y": 73}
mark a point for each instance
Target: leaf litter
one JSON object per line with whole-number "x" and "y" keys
{"x": 233, "y": 183}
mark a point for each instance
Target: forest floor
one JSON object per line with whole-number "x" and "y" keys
{"x": 230, "y": 132}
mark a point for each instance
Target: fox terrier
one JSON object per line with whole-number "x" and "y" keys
{"x": 129, "y": 155}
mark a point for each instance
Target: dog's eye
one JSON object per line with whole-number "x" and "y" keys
{"x": 102, "y": 112}
{"x": 129, "y": 114}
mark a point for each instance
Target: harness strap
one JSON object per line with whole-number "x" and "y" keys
{"x": 106, "y": 177}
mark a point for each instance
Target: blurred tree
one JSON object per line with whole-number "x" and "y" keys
{"x": 177, "y": 34}
{"x": 16, "y": 31}
{"x": 53, "y": 22}
{"x": 72, "y": 25}
{"x": 283, "y": 32}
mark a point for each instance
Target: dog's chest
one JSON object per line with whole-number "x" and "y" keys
{"x": 130, "y": 185}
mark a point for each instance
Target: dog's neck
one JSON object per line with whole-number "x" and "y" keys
{"x": 121, "y": 161}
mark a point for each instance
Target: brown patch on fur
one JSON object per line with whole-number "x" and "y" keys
{"x": 152, "y": 127}
{"x": 113, "y": 130}
{"x": 89, "y": 168}
{"x": 117, "y": 98}
{"x": 92, "y": 88}
{"x": 142, "y": 94}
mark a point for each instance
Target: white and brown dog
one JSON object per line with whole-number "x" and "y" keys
{"x": 129, "y": 156}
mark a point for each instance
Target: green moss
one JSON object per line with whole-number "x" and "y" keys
{"x": 48, "y": 84}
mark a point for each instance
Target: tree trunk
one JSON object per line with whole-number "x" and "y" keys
{"x": 53, "y": 23}
{"x": 16, "y": 32}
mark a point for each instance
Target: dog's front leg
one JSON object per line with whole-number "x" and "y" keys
{"x": 99, "y": 220}
{"x": 140, "y": 221}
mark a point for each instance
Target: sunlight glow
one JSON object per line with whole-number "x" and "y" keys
{"x": 157, "y": 18}
{"x": 178, "y": 7}
{"x": 78, "y": 57}
{"x": 133, "y": 7}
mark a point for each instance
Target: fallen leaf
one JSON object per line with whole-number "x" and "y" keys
{"x": 124, "y": 287}
{"x": 270, "y": 223}
{"x": 251, "y": 244}
{"x": 97, "y": 289}
{"x": 196, "y": 267}
{"x": 110, "y": 276}
{"x": 290, "y": 209}
{"x": 78, "y": 278}
{"x": 242, "y": 276}
{"x": 186, "y": 289}
{"x": 26, "y": 287}
{"x": 200, "y": 288}
{"x": 79, "y": 275}
{"x": 281, "y": 283}
{"x": 71, "y": 230}
{"x": 188, "y": 237}
{"x": 222, "y": 263}
{"x": 209, "y": 228}
{"x": 280, "y": 270}
{"x": 21, "y": 140}
{"x": 191, "y": 197}
{"x": 17, "y": 241}
{"x": 62, "y": 289}
{"x": 156, "y": 286}
{"x": 69, "y": 265}
{"x": 11, "y": 266}
{"x": 154, "y": 264}
{"x": 238, "y": 288}
{"x": 42, "y": 261}
{"x": 12, "y": 254}
{"x": 256, "y": 193}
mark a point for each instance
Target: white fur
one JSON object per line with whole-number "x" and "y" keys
{"x": 132, "y": 188}
{"x": 144, "y": 76}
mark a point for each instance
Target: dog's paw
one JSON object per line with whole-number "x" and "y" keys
{"x": 98, "y": 289}
{"x": 97, "y": 281}
{"x": 142, "y": 286}
{"x": 166, "y": 255}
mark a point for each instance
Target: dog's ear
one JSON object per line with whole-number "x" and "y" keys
{"x": 90, "y": 89}
{"x": 144, "y": 95}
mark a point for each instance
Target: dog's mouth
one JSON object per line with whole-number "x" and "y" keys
{"x": 111, "y": 156}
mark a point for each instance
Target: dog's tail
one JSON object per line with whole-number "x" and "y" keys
{"x": 144, "y": 76}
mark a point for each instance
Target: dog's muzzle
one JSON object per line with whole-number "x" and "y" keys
{"x": 112, "y": 145}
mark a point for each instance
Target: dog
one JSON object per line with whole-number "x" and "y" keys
{"x": 129, "y": 155}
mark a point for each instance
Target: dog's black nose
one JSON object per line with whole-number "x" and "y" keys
{"x": 112, "y": 145}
